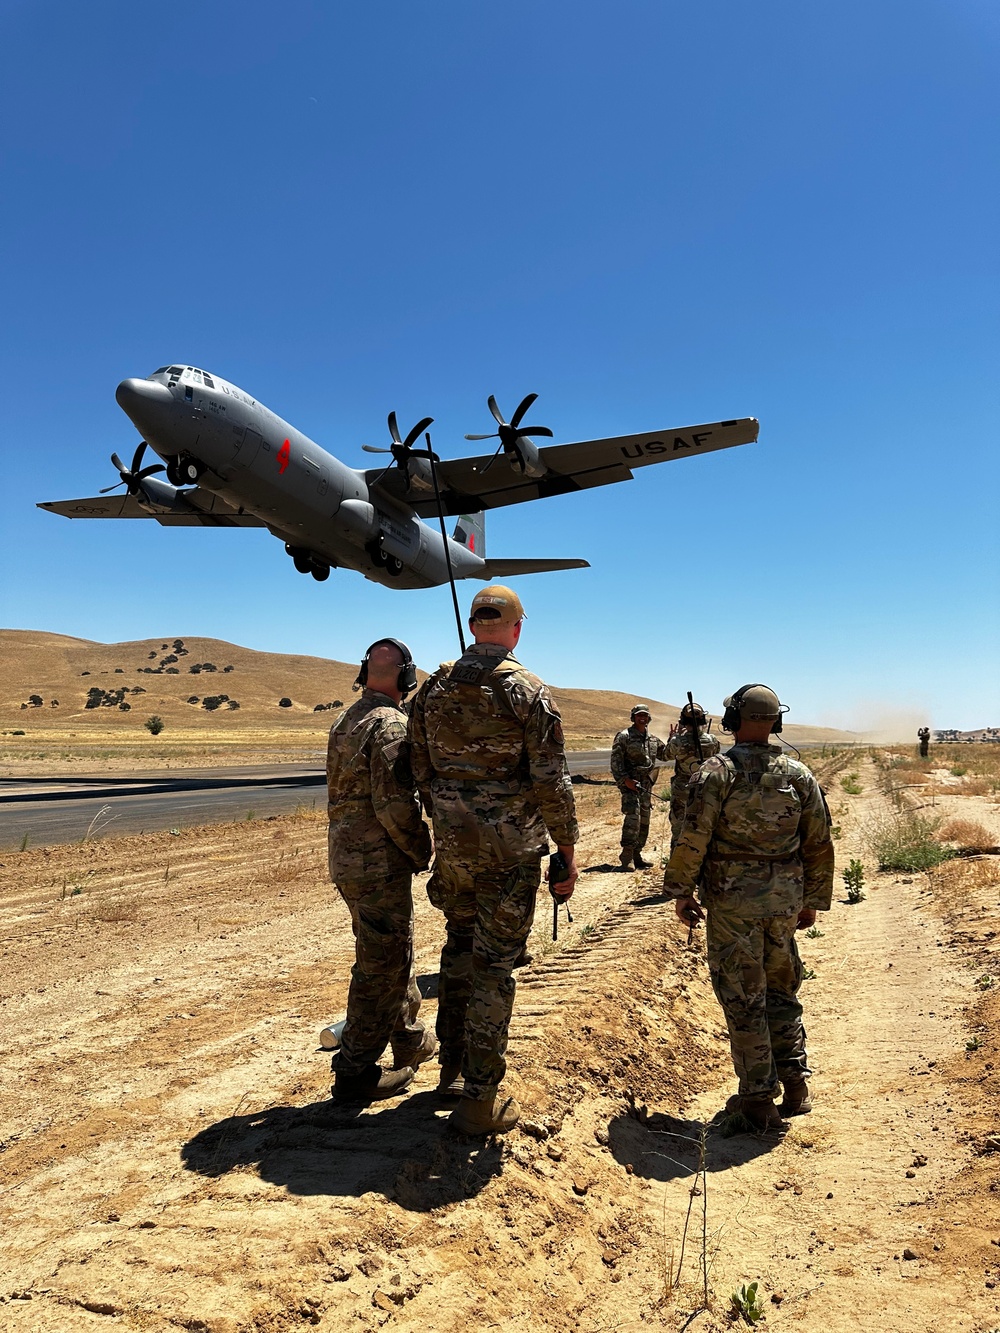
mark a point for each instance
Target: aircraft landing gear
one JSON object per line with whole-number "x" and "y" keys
{"x": 381, "y": 559}
{"x": 306, "y": 563}
{"x": 184, "y": 472}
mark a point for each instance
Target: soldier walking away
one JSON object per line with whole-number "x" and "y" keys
{"x": 377, "y": 839}
{"x": 688, "y": 744}
{"x": 924, "y": 737}
{"x": 487, "y": 751}
{"x": 635, "y": 753}
{"x": 756, "y": 843}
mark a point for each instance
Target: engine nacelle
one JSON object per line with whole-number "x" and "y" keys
{"x": 158, "y": 497}
{"x": 523, "y": 458}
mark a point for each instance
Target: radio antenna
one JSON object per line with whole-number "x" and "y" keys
{"x": 444, "y": 537}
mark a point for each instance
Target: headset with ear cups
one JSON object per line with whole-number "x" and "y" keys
{"x": 406, "y": 681}
{"x": 732, "y": 718}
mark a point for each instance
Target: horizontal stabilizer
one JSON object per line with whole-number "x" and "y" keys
{"x": 506, "y": 569}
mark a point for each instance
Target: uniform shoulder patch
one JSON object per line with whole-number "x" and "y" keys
{"x": 470, "y": 673}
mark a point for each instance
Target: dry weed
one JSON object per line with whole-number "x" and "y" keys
{"x": 961, "y": 877}
{"x": 116, "y": 906}
{"x": 965, "y": 833}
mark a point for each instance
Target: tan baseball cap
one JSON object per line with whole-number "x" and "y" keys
{"x": 755, "y": 701}
{"x": 501, "y": 599}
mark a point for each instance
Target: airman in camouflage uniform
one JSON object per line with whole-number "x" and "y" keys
{"x": 635, "y": 753}
{"x": 487, "y": 753}
{"x": 377, "y": 839}
{"x": 756, "y": 844}
{"x": 688, "y": 745}
{"x": 924, "y": 737}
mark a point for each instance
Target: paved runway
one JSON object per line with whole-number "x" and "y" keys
{"x": 60, "y": 810}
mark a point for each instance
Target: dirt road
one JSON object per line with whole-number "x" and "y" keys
{"x": 171, "y": 1159}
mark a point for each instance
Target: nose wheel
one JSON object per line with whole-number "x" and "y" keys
{"x": 184, "y": 472}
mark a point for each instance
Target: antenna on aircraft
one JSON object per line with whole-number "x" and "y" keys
{"x": 444, "y": 537}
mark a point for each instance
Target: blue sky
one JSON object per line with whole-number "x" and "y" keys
{"x": 650, "y": 214}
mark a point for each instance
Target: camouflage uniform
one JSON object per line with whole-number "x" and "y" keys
{"x": 924, "y": 737}
{"x": 487, "y": 753}
{"x": 683, "y": 751}
{"x": 756, "y": 842}
{"x": 376, "y": 841}
{"x": 635, "y": 754}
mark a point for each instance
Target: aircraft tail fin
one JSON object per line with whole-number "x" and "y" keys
{"x": 500, "y": 569}
{"x": 470, "y": 532}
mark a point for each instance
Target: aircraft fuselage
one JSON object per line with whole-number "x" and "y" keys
{"x": 324, "y": 511}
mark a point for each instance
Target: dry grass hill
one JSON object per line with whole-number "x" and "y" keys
{"x": 55, "y": 687}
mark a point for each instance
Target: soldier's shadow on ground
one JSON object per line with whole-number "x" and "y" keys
{"x": 664, "y": 1147}
{"x": 398, "y": 1149}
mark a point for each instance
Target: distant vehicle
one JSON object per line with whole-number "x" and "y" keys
{"x": 230, "y": 462}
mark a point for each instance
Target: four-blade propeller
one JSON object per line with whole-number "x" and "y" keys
{"x": 402, "y": 450}
{"x": 132, "y": 476}
{"x": 510, "y": 432}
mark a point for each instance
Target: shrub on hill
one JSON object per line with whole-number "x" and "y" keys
{"x": 154, "y": 725}
{"x": 284, "y": 703}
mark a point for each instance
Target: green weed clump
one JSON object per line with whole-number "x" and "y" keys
{"x": 746, "y": 1304}
{"x": 851, "y": 785}
{"x": 905, "y": 841}
{"x": 854, "y": 878}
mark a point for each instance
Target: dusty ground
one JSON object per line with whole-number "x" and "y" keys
{"x": 170, "y": 1161}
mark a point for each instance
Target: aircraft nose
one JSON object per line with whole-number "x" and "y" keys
{"x": 135, "y": 393}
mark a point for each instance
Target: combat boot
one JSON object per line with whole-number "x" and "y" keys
{"x": 640, "y": 864}
{"x": 494, "y": 1116}
{"x": 796, "y": 1100}
{"x": 760, "y": 1111}
{"x": 413, "y": 1058}
{"x": 451, "y": 1083}
{"x": 625, "y": 860}
{"x": 523, "y": 959}
{"x": 371, "y": 1085}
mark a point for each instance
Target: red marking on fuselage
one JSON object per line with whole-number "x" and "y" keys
{"x": 284, "y": 453}
{"x": 472, "y": 542}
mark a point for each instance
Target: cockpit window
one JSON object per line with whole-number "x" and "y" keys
{"x": 176, "y": 370}
{"x": 209, "y": 382}
{"x": 160, "y": 370}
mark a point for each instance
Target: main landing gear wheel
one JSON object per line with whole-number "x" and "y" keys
{"x": 393, "y": 567}
{"x": 320, "y": 573}
{"x": 302, "y": 562}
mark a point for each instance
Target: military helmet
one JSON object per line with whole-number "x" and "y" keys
{"x": 755, "y": 701}
{"x": 694, "y": 715}
{"x": 639, "y": 708}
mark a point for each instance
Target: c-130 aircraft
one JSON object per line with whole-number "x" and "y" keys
{"x": 230, "y": 462}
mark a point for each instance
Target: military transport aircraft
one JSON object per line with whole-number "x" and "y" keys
{"x": 230, "y": 462}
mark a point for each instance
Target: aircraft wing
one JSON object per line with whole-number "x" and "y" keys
{"x": 194, "y": 508}
{"x": 469, "y": 486}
